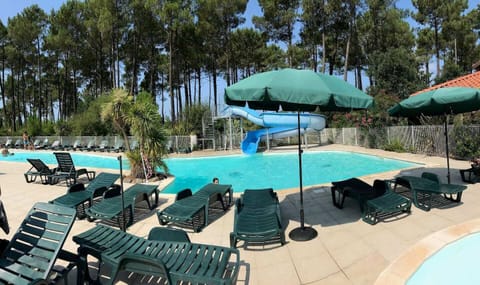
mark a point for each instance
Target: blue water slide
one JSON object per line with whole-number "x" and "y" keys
{"x": 277, "y": 125}
{"x": 252, "y": 139}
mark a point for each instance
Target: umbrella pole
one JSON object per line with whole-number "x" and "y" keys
{"x": 446, "y": 148}
{"x": 121, "y": 192}
{"x": 301, "y": 233}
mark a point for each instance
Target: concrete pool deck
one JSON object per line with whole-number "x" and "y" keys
{"x": 346, "y": 250}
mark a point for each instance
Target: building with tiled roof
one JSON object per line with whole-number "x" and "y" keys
{"x": 469, "y": 80}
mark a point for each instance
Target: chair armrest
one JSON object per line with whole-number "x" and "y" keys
{"x": 99, "y": 191}
{"x": 112, "y": 191}
{"x": 76, "y": 188}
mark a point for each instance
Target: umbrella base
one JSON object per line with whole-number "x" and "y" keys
{"x": 303, "y": 234}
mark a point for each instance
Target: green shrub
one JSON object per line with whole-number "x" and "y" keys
{"x": 466, "y": 142}
{"x": 395, "y": 145}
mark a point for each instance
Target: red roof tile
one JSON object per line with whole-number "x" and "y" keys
{"x": 469, "y": 80}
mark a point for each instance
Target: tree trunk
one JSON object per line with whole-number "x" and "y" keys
{"x": 359, "y": 76}
{"x": 437, "y": 47}
{"x": 199, "y": 78}
{"x": 324, "y": 53}
{"x": 214, "y": 70}
{"x": 347, "y": 51}
{"x": 170, "y": 76}
{"x": 2, "y": 85}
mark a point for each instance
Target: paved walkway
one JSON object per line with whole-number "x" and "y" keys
{"x": 346, "y": 251}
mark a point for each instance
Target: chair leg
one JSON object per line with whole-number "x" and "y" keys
{"x": 233, "y": 240}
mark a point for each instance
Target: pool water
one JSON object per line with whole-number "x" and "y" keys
{"x": 277, "y": 171}
{"x": 272, "y": 170}
{"x": 79, "y": 159}
{"x": 456, "y": 263}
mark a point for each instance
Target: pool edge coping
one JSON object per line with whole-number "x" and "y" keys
{"x": 402, "y": 268}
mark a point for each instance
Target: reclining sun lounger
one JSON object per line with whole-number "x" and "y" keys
{"x": 424, "y": 188}
{"x": 111, "y": 207}
{"x": 375, "y": 201}
{"x": 31, "y": 254}
{"x": 385, "y": 204}
{"x": 353, "y": 188}
{"x": 66, "y": 169}
{"x": 194, "y": 208}
{"x": 471, "y": 175}
{"x": 78, "y": 195}
{"x": 39, "y": 169}
{"x": 183, "y": 261}
{"x": 257, "y": 218}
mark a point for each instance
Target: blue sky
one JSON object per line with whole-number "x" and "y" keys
{"x": 10, "y": 8}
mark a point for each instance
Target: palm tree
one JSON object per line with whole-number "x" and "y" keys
{"x": 116, "y": 110}
{"x": 144, "y": 122}
{"x": 146, "y": 125}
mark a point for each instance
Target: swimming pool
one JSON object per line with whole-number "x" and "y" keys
{"x": 80, "y": 159}
{"x": 277, "y": 171}
{"x": 455, "y": 263}
{"x": 262, "y": 170}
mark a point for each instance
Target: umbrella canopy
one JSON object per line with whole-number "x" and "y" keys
{"x": 442, "y": 101}
{"x": 296, "y": 90}
{"x": 301, "y": 91}
{"x": 447, "y": 100}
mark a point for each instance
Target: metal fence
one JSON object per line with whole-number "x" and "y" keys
{"x": 426, "y": 139}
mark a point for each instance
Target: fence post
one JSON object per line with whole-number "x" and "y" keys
{"x": 356, "y": 141}
{"x": 231, "y": 132}
{"x": 413, "y": 137}
{"x": 343, "y": 136}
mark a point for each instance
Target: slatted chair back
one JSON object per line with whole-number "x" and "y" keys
{"x": 40, "y": 166}
{"x": 65, "y": 162}
{"x": 33, "y": 250}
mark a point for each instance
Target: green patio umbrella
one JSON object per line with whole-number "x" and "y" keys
{"x": 300, "y": 91}
{"x": 439, "y": 102}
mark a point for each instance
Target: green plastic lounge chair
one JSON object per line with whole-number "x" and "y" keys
{"x": 103, "y": 146}
{"x": 427, "y": 186}
{"x": 386, "y": 204}
{"x": 66, "y": 169}
{"x": 54, "y": 146}
{"x": 257, "y": 218}
{"x": 89, "y": 147}
{"x": 36, "y": 143}
{"x": 19, "y": 143}
{"x": 353, "y": 188}
{"x": 168, "y": 234}
{"x": 471, "y": 175}
{"x": 111, "y": 207}
{"x": 375, "y": 201}
{"x": 77, "y": 144}
{"x": 185, "y": 262}
{"x": 31, "y": 254}
{"x": 8, "y": 143}
{"x": 80, "y": 197}
{"x": 193, "y": 209}
{"x": 42, "y": 145}
{"x": 118, "y": 147}
{"x": 39, "y": 169}
{"x": 134, "y": 145}
{"x": 141, "y": 264}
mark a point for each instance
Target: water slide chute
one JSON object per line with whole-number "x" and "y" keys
{"x": 277, "y": 125}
